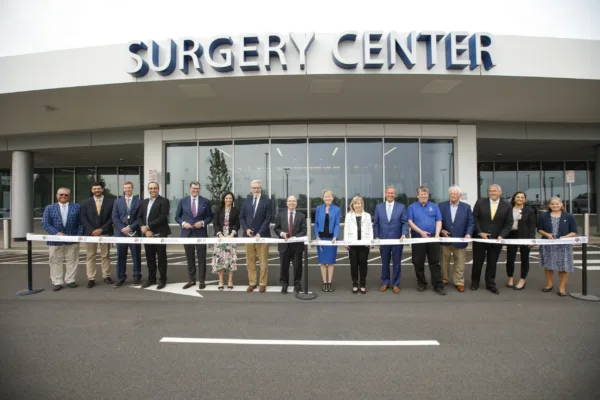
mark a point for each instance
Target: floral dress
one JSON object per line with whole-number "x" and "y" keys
{"x": 224, "y": 254}
{"x": 557, "y": 257}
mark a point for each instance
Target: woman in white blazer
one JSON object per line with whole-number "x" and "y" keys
{"x": 358, "y": 226}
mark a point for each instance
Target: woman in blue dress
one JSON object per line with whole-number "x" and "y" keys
{"x": 557, "y": 224}
{"x": 327, "y": 227}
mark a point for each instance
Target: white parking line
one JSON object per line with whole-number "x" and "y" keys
{"x": 302, "y": 342}
{"x": 373, "y": 259}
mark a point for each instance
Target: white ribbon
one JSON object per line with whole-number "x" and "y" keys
{"x": 374, "y": 242}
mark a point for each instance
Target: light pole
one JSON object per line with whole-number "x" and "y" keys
{"x": 287, "y": 182}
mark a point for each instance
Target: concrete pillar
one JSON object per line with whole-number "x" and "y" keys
{"x": 154, "y": 158}
{"x": 21, "y": 194}
{"x": 465, "y": 162}
{"x": 597, "y": 184}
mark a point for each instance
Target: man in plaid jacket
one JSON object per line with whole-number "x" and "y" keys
{"x": 62, "y": 218}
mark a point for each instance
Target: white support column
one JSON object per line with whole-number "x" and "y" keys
{"x": 21, "y": 194}
{"x": 154, "y": 159}
{"x": 466, "y": 163}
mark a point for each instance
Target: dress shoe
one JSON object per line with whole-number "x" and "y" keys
{"x": 56, "y": 288}
{"x": 262, "y": 288}
{"x": 189, "y": 284}
{"x": 230, "y": 285}
{"x": 161, "y": 285}
{"x": 136, "y": 282}
{"x": 297, "y": 288}
{"x": 202, "y": 285}
{"x": 445, "y": 283}
{"x": 520, "y": 288}
{"x": 324, "y": 287}
{"x": 547, "y": 289}
{"x": 510, "y": 285}
{"x": 330, "y": 287}
{"x": 383, "y": 288}
{"x": 91, "y": 283}
{"x": 148, "y": 283}
{"x": 561, "y": 294}
{"x": 363, "y": 290}
{"x": 493, "y": 290}
{"x": 421, "y": 288}
{"x": 284, "y": 289}
{"x": 355, "y": 289}
{"x": 440, "y": 291}
{"x": 72, "y": 285}
{"x": 396, "y": 289}
{"x": 251, "y": 288}
{"x": 108, "y": 280}
{"x": 460, "y": 288}
{"x": 120, "y": 283}
{"x": 474, "y": 287}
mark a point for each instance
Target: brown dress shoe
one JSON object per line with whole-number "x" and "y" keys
{"x": 262, "y": 289}
{"x": 460, "y": 288}
{"x": 396, "y": 289}
{"x": 445, "y": 282}
{"x": 251, "y": 288}
{"x": 383, "y": 288}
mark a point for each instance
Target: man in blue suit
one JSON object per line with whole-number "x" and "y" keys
{"x": 255, "y": 219}
{"x": 390, "y": 222}
{"x": 457, "y": 222}
{"x": 193, "y": 215}
{"x": 125, "y": 217}
{"x": 62, "y": 219}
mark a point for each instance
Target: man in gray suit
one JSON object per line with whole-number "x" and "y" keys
{"x": 288, "y": 224}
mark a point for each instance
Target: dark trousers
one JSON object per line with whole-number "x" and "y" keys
{"x": 190, "y": 254}
{"x": 393, "y": 252}
{"x": 480, "y": 252}
{"x": 359, "y": 256}
{"x": 294, "y": 255}
{"x": 136, "y": 257}
{"x": 511, "y": 255}
{"x": 154, "y": 251}
{"x": 432, "y": 252}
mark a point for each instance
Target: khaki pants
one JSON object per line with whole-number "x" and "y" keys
{"x": 68, "y": 253}
{"x": 262, "y": 251}
{"x": 458, "y": 258}
{"x": 90, "y": 259}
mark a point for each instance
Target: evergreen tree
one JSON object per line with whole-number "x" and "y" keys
{"x": 219, "y": 180}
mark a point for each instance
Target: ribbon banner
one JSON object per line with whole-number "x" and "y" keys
{"x": 381, "y": 242}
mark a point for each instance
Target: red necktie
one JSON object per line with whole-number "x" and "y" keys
{"x": 193, "y": 208}
{"x": 291, "y": 225}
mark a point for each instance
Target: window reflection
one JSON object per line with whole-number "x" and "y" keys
{"x": 182, "y": 168}
{"x": 326, "y": 168}
{"x": 84, "y": 177}
{"x": 579, "y": 189}
{"x": 437, "y": 168}
{"x": 365, "y": 171}
{"x": 402, "y": 168}
{"x": 288, "y": 173}
{"x": 42, "y": 190}
{"x": 4, "y": 193}
{"x": 108, "y": 176}
{"x": 64, "y": 177}
{"x": 486, "y": 177}
{"x": 529, "y": 181}
{"x": 251, "y": 162}
{"x": 131, "y": 174}
{"x": 553, "y": 182}
{"x": 592, "y": 185}
{"x": 215, "y": 163}
{"x": 505, "y": 175}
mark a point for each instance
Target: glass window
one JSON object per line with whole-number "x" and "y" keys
{"x": 108, "y": 176}
{"x": 288, "y": 173}
{"x": 553, "y": 182}
{"x": 4, "y": 193}
{"x": 131, "y": 174}
{"x": 579, "y": 189}
{"x": 65, "y": 177}
{"x": 437, "y": 168}
{"x": 365, "y": 171}
{"x": 326, "y": 169}
{"x": 486, "y": 177}
{"x": 401, "y": 159}
{"x": 84, "y": 177}
{"x": 592, "y": 185}
{"x": 505, "y": 175}
{"x": 215, "y": 163}
{"x": 42, "y": 191}
{"x": 252, "y": 161}
{"x": 530, "y": 179}
{"x": 182, "y": 163}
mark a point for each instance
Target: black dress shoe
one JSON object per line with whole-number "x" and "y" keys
{"x": 284, "y": 289}
{"x": 108, "y": 280}
{"x": 297, "y": 288}
{"x": 363, "y": 290}
{"x": 56, "y": 288}
{"x": 136, "y": 282}
{"x": 120, "y": 283}
{"x": 474, "y": 287}
{"x": 561, "y": 294}
{"x": 440, "y": 291}
{"x": 202, "y": 285}
{"x": 148, "y": 283}
{"x": 493, "y": 290}
{"x": 161, "y": 285}
{"x": 421, "y": 288}
{"x": 91, "y": 284}
{"x": 72, "y": 285}
{"x": 189, "y": 284}
{"x": 355, "y": 289}
{"x": 548, "y": 289}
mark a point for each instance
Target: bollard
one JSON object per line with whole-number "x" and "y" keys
{"x": 306, "y": 295}
{"x": 584, "y": 294}
{"x": 6, "y": 227}
{"x": 30, "y": 289}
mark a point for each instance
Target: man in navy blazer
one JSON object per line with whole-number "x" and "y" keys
{"x": 457, "y": 222}
{"x": 62, "y": 219}
{"x": 390, "y": 222}
{"x": 125, "y": 218}
{"x": 193, "y": 215}
{"x": 255, "y": 218}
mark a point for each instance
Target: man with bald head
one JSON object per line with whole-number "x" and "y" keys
{"x": 290, "y": 223}
{"x": 493, "y": 220}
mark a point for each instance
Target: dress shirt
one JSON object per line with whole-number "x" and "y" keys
{"x": 149, "y": 208}
{"x": 389, "y": 210}
{"x": 287, "y": 216}
{"x": 64, "y": 212}
{"x": 454, "y": 209}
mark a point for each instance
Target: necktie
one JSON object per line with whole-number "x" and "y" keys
{"x": 193, "y": 208}
{"x": 98, "y": 205}
{"x": 128, "y": 204}
{"x": 291, "y": 225}
{"x": 64, "y": 214}
{"x": 494, "y": 208}
{"x": 253, "y": 207}
{"x": 389, "y": 212}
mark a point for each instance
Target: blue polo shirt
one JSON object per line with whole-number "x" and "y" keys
{"x": 424, "y": 216}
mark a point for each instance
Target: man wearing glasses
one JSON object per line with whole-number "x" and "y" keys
{"x": 62, "y": 219}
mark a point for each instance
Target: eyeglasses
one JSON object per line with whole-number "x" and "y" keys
{"x": 63, "y": 195}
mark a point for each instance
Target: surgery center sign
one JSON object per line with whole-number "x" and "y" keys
{"x": 349, "y": 50}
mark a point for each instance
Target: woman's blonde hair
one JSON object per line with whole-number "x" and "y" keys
{"x": 555, "y": 198}
{"x": 355, "y": 200}
{"x": 327, "y": 191}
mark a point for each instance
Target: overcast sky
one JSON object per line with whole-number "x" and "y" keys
{"x": 30, "y": 26}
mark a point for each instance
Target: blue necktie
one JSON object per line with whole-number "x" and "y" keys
{"x": 253, "y": 208}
